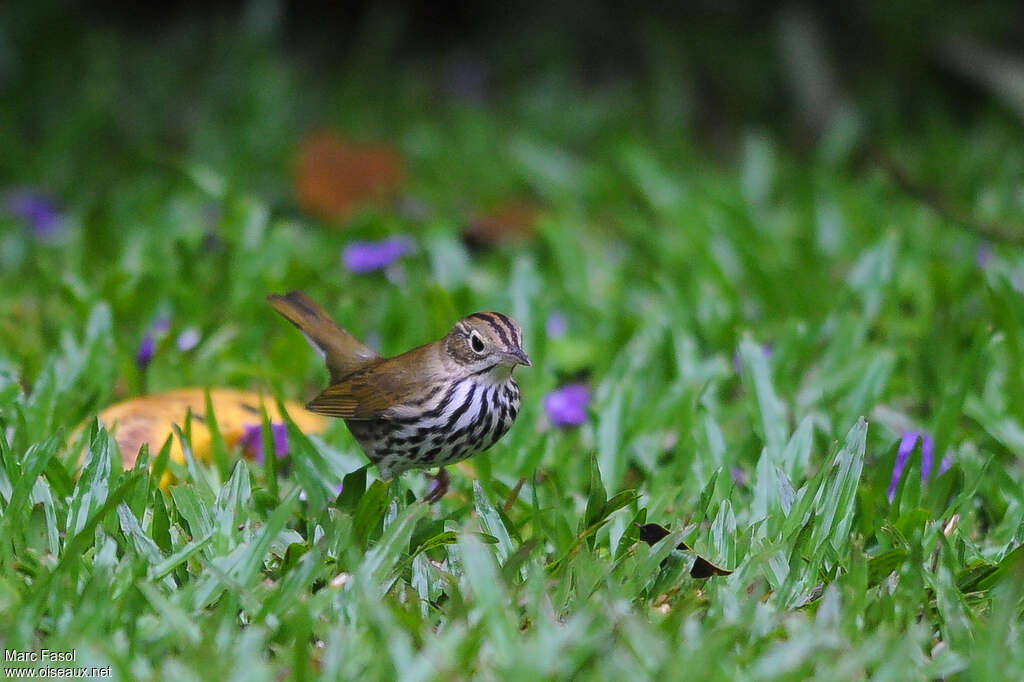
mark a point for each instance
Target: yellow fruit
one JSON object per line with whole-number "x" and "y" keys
{"x": 150, "y": 419}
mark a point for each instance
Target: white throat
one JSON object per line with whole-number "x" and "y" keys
{"x": 501, "y": 374}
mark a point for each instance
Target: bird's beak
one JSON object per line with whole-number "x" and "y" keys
{"x": 519, "y": 357}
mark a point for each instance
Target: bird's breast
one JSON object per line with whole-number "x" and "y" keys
{"x": 467, "y": 417}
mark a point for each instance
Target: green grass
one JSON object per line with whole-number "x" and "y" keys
{"x": 676, "y": 273}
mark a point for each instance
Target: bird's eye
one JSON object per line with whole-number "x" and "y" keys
{"x": 476, "y": 343}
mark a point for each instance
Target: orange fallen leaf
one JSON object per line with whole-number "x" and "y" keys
{"x": 334, "y": 177}
{"x": 150, "y": 419}
{"x": 512, "y": 222}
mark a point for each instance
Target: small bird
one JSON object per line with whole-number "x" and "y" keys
{"x": 430, "y": 406}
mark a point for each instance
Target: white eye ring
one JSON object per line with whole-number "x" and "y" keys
{"x": 476, "y": 343}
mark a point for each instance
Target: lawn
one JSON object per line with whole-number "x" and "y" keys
{"x": 799, "y": 369}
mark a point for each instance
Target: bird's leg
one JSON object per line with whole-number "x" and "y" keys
{"x": 438, "y": 486}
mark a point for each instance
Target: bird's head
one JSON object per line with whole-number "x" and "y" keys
{"x": 487, "y": 343}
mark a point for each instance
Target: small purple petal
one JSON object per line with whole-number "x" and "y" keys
{"x": 251, "y": 434}
{"x": 983, "y": 255}
{"x": 739, "y": 476}
{"x": 147, "y": 349}
{"x": 280, "y": 439}
{"x": 567, "y": 406}
{"x": 188, "y": 339}
{"x": 38, "y": 210}
{"x": 945, "y": 465}
{"x": 557, "y": 325}
{"x": 362, "y": 257}
{"x": 927, "y": 455}
{"x": 160, "y": 326}
{"x": 907, "y": 444}
{"x": 902, "y": 456}
{"x": 252, "y": 440}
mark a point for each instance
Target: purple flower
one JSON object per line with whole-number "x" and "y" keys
{"x": 147, "y": 349}
{"x": 557, "y": 325}
{"x": 927, "y": 455}
{"x": 369, "y": 256}
{"x": 739, "y": 476}
{"x": 36, "y": 209}
{"x": 907, "y": 444}
{"x": 252, "y": 439}
{"x": 188, "y": 339}
{"x": 567, "y": 406}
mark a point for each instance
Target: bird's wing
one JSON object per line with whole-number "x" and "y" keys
{"x": 388, "y": 388}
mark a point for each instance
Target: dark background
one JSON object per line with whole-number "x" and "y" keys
{"x": 155, "y": 81}
{"x": 730, "y": 51}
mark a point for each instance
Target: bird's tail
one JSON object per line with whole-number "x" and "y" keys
{"x": 342, "y": 352}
